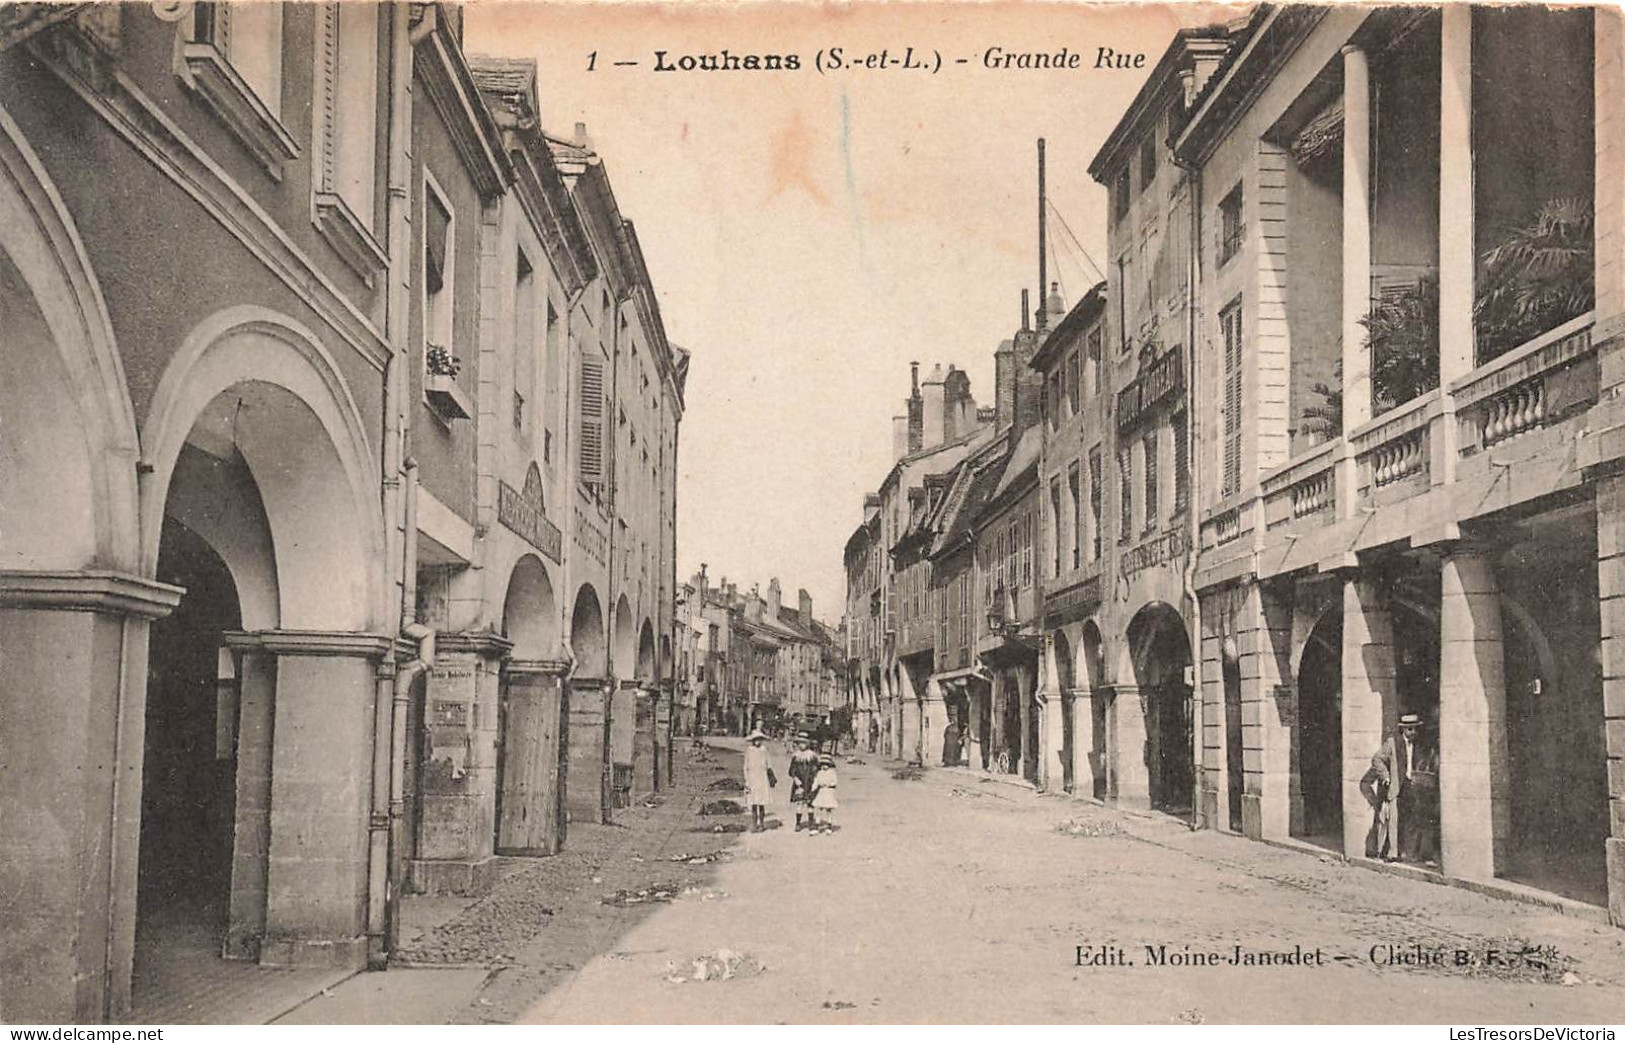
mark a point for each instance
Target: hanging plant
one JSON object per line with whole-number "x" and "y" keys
{"x": 441, "y": 363}
{"x": 1324, "y": 420}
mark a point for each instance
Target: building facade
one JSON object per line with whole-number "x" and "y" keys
{"x": 295, "y": 594}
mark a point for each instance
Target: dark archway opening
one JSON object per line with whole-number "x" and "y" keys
{"x": 1320, "y": 733}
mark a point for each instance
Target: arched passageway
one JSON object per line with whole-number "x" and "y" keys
{"x": 1319, "y": 746}
{"x": 1069, "y": 731}
{"x": 1161, "y": 656}
{"x": 530, "y": 726}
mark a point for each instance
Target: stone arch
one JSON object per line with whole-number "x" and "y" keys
{"x": 623, "y": 645}
{"x": 1157, "y": 646}
{"x": 646, "y": 653}
{"x": 265, "y": 389}
{"x": 70, "y": 425}
{"x": 1064, "y": 665}
{"x": 587, "y": 632}
{"x": 527, "y": 610}
{"x": 1089, "y": 672}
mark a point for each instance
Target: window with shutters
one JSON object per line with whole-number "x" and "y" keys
{"x": 1072, "y": 378}
{"x": 1055, "y": 516}
{"x": 1150, "y": 448}
{"x": 1125, "y": 493}
{"x": 1074, "y": 483}
{"x": 1097, "y": 494}
{"x": 524, "y": 341}
{"x": 1182, "y": 461}
{"x": 1230, "y": 326}
{"x": 1231, "y": 227}
{"x": 439, "y": 262}
{"x": 1148, "y": 162}
{"x": 590, "y": 410}
{"x": 1091, "y": 369}
{"x": 231, "y": 58}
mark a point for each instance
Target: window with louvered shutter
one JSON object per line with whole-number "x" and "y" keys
{"x": 1152, "y": 500}
{"x": 1097, "y": 487}
{"x": 590, "y": 409}
{"x": 1230, "y": 321}
{"x": 1125, "y": 493}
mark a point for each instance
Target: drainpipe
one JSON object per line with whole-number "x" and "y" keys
{"x": 380, "y": 870}
{"x": 1192, "y": 463}
{"x": 400, "y": 724}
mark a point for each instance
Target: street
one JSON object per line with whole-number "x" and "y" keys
{"x": 945, "y": 897}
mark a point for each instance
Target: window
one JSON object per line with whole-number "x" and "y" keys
{"x": 1125, "y": 493}
{"x": 1091, "y": 369}
{"x": 1148, "y": 162}
{"x": 439, "y": 259}
{"x": 1182, "y": 462}
{"x": 1230, "y": 226}
{"x": 590, "y": 412}
{"x": 1072, "y": 384}
{"x": 249, "y": 37}
{"x": 1052, "y": 400}
{"x": 552, "y": 364}
{"x": 1074, "y": 483}
{"x": 1120, "y": 195}
{"x": 1124, "y": 266}
{"x": 1028, "y": 525}
{"x": 1055, "y": 517}
{"x": 1230, "y": 324}
{"x": 1149, "y": 442}
{"x": 524, "y": 337}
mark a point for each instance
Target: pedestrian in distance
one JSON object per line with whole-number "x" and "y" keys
{"x": 758, "y": 779}
{"x": 824, "y": 801}
{"x": 803, "y": 770}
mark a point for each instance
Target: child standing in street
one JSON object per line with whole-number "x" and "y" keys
{"x": 758, "y": 781}
{"x": 824, "y": 802}
{"x": 803, "y": 769}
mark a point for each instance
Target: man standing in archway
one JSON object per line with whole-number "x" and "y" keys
{"x": 1406, "y": 781}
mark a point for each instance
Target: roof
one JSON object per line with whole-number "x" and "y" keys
{"x": 1089, "y": 308}
{"x": 978, "y": 478}
{"x": 503, "y": 75}
{"x": 1180, "y": 54}
{"x": 1022, "y": 460}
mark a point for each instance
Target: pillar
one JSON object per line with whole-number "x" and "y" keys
{"x": 1214, "y": 791}
{"x": 251, "y": 836}
{"x": 1131, "y": 752}
{"x": 1457, "y": 255}
{"x": 530, "y": 799}
{"x": 1474, "y": 806}
{"x": 644, "y": 742}
{"x": 623, "y": 722}
{"x": 1052, "y": 708}
{"x": 321, "y": 771}
{"x": 73, "y": 685}
{"x": 1356, "y": 263}
{"x": 1083, "y": 742}
{"x": 1369, "y": 692}
{"x": 934, "y": 720}
{"x": 909, "y": 717}
{"x": 1609, "y": 80}
{"x": 1268, "y": 709}
{"x": 1611, "y": 577}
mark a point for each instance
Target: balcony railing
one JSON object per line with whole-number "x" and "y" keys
{"x": 1302, "y": 487}
{"x": 1549, "y": 379}
{"x": 1393, "y": 449}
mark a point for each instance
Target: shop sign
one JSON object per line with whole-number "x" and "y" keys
{"x": 522, "y": 512}
{"x": 1160, "y": 549}
{"x": 1162, "y": 378}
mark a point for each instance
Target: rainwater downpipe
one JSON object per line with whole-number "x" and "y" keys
{"x": 1192, "y": 508}
{"x": 381, "y": 882}
{"x": 400, "y": 705}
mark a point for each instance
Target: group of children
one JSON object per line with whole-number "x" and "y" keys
{"x": 812, "y": 784}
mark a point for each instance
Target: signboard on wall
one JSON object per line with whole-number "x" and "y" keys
{"x": 522, "y": 512}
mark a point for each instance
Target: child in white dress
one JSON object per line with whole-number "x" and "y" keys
{"x": 824, "y": 801}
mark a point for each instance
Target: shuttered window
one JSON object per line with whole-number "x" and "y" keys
{"x": 1230, "y": 322}
{"x": 1125, "y": 493}
{"x": 590, "y": 409}
{"x": 1097, "y": 487}
{"x": 1152, "y": 479}
{"x": 1182, "y": 461}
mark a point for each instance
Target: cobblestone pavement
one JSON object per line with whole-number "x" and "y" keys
{"x": 951, "y": 899}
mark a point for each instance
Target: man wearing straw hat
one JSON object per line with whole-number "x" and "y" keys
{"x": 1405, "y": 772}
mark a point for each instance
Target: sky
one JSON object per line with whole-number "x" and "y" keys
{"x": 809, "y": 234}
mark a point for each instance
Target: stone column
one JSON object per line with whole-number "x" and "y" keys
{"x": 1611, "y": 580}
{"x": 73, "y": 731}
{"x": 251, "y": 837}
{"x": 934, "y": 718}
{"x": 321, "y": 772}
{"x": 1268, "y": 710}
{"x": 1609, "y": 80}
{"x": 1083, "y": 742}
{"x": 1052, "y": 709}
{"x": 530, "y": 804}
{"x": 1474, "y": 806}
{"x": 1356, "y": 263}
{"x": 1132, "y": 750}
{"x": 1457, "y": 254}
{"x": 1370, "y": 698}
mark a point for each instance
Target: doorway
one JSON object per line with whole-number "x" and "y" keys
{"x": 1235, "y": 764}
{"x": 1319, "y": 749}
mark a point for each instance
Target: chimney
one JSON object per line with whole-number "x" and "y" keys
{"x": 958, "y": 408}
{"x": 773, "y": 596}
{"x": 916, "y": 411}
{"x": 1027, "y": 384}
{"x": 1056, "y": 306}
{"x": 581, "y": 138}
{"x": 1025, "y": 314}
{"x": 804, "y": 600}
{"x": 899, "y": 437}
{"x": 934, "y": 394}
{"x": 1004, "y": 383}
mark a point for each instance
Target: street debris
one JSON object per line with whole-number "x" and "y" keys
{"x": 910, "y": 773}
{"x": 723, "y": 807}
{"x": 720, "y": 827}
{"x": 721, "y": 965}
{"x": 1098, "y": 828}
{"x": 729, "y": 785}
{"x": 839, "y": 1005}
{"x": 643, "y": 895}
{"x": 699, "y": 860}
{"x": 856, "y": 760}
{"x": 967, "y": 794}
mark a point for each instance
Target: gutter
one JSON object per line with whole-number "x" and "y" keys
{"x": 1192, "y": 464}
